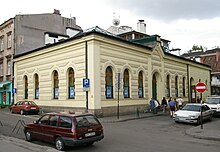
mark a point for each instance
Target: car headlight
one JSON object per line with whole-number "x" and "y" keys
{"x": 192, "y": 117}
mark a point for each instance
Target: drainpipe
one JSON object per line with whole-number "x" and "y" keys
{"x": 189, "y": 87}
{"x": 86, "y": 72}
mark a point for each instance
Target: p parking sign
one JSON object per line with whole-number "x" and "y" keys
{"x": 86, "y": 84}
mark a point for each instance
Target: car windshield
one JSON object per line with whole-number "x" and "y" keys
{"x": 213, "y": 101}
{"x": 191, "y": 108}
{"x": 85, "y": 121}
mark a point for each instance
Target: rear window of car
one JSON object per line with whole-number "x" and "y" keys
{"x": 213, "y": 100}
{"x": 86, "y": 121}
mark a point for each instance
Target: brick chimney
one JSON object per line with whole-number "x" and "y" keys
{"x": 218, "y": 56}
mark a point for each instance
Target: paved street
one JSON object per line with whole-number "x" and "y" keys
{"x": 151, "y": 134}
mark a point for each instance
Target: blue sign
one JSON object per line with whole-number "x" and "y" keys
{"x": 14, "y": 90}
{"x": 86, "y": 84}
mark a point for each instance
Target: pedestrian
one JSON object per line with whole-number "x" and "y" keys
{"x": 180, "y": 102}
{"x": 164, "y": 104}
{"x": 172, "y": 105}
{"x": 152, "y": 105}
{"x": 156, "y": 107}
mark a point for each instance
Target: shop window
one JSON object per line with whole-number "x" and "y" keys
{"x": 71, "y": 83}
{"x": 36, "y": 81}
{"x": 25, "y": 87}
{"x": 108, "y": 83}
{"x": 140, "y": 85}
{"x": 126, "y": 84}
{"x": 55, "y": 85}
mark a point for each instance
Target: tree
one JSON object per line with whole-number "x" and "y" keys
{"x": 196, "y": 48}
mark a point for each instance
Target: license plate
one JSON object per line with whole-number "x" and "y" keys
{"x": 89, "y": 134}
{"x": 181, "y": 119}
{"x": 33, "y": 107}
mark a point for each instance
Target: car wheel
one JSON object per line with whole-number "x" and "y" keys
{"x": 59, "y": 144}
{"x": 198, "y": 121}
{"x": 90, "y": 143}
{"x": 28, "y": 136}
{"x": 22, "y": 112}
{"x": 210, "y": 118}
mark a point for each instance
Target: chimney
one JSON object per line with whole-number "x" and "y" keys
{"x": 141, "y": 26}
{"x": 56, "y": 12}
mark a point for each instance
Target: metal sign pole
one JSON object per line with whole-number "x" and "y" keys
{"x": 201, "y": 112}
{"x": 118, "y": 87}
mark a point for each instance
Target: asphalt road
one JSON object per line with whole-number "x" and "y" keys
{"x": 152, "y": 134}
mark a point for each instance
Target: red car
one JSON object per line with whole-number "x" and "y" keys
{"x": 65, "y": 129}
{"x": 25, "y": 107}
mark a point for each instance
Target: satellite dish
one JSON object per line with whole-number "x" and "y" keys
{"x": 116, "y": 20}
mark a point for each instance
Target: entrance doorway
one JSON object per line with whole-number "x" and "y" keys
{"x": 154, "y": 87}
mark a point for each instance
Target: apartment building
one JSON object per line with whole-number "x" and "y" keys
{"x": 26, "y": 32}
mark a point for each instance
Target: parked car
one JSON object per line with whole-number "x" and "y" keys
{"x": 214, "y": 103}
{"x": 65, "y": 129}
{"x": 191, "y": 113}
{"x": 25, "y": 107}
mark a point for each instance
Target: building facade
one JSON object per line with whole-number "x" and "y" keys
{"x": 27, "y": 32}
{"x": 53, "y": 75}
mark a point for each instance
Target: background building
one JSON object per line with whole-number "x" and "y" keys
{"x": 53, "y": 75}
{"x": 26, "y": 32}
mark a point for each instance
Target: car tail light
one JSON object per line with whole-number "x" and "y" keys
{"x": 74, "y": 134}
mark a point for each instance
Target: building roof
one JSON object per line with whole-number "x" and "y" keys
{"x": 99, "y": 31}
{"x": 192, "y": 54}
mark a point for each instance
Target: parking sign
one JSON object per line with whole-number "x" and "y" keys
{"x": 86, "y": 84}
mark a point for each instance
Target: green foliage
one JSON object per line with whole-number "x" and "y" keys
{"x": 3, "y": 106}
{"x": 196, "y": 48}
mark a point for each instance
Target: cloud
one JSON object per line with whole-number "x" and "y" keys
{"x": 170, "y": 10}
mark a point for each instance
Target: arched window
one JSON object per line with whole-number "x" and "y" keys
{"x": 168, "y": 86}
{"x": 184, "y": 86}
{"x": 55, "y": 85}
{"x": 71, "y": 83}
{"x": 36, "y": 86}
{"x": 126, "y": 84}
{"x": 108, "y": 83}
{"x": 25, "y": 87}
{"x": 140, "y": 85}
{"x": 176, "y": 86}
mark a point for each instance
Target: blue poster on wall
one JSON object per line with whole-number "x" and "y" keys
{"x": 72, "y": 92}
{"x": 56, "y": 92}
{"x": 109, "y": 91}
{"x": 126, "y": 95}
{"x": 140, "y": 92}
{"x": 37, "y": 94}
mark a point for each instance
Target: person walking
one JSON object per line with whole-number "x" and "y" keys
{"x": 180, "y": 103}
{"x": 172, "y": 105}
{"x": 164, "y": 104}
{"x": 152, "y": 105}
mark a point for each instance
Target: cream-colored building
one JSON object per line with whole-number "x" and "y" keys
{"x": 53, "y": 75}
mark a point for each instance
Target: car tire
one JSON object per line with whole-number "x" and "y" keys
{"x": 59, "y": 144}
{"x": 28, "y": 136}
{"x": 90, "y": 144}
{"x": 22, "y": 112}
{"x": 210, "y": 118}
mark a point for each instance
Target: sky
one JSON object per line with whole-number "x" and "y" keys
{"x": 184, "y": 22}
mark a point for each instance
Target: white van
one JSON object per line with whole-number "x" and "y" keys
{"x": 214, "y": 103}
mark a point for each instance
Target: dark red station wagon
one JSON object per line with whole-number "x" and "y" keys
{"x": 65, "y": 129}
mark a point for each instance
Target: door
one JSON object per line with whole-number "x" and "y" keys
{"x": 154, "y": 87}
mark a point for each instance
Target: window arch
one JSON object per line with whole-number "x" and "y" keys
{"x": 126, "y": 84}
{"x": 71, "y": 84}
{"x": 184, "y": 86}
{"x": 168, "y": 86}
{"x": 140, "y": 85}
{"x": 25, "y": 87}
{"x": 36, "y": 86}
{"x": 108, "y": 83}
{"x": 176, "y": 86}
{"x": 55, "y": 85}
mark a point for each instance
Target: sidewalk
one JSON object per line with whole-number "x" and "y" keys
{"x": 210, "y": 131}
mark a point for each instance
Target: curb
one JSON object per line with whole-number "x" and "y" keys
{"x": 127, "y": 119}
